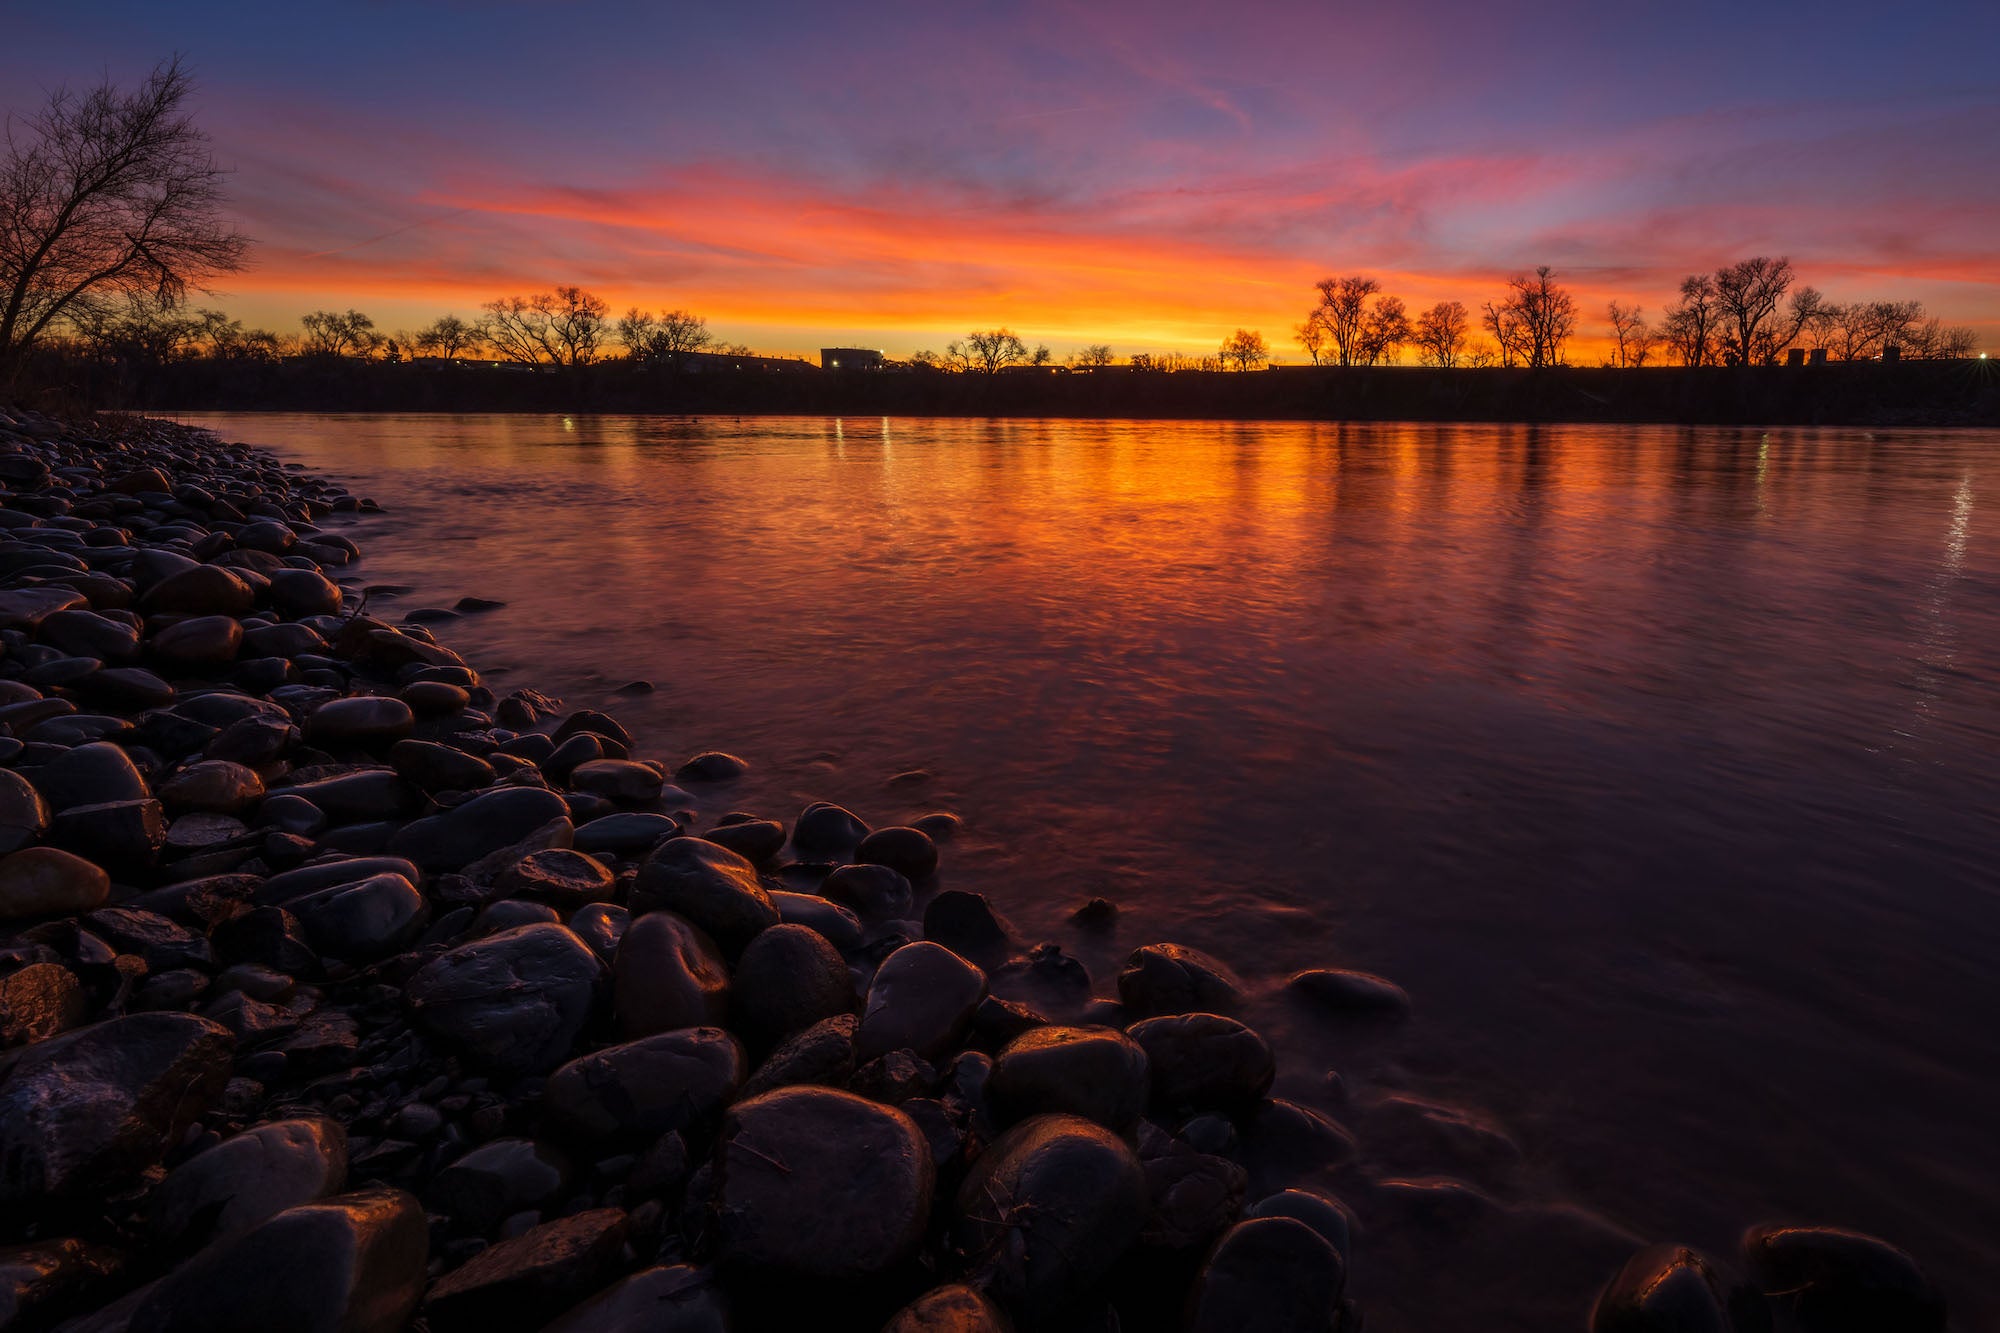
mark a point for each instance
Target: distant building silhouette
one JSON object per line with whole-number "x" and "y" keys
{"x": 850, "y": 358}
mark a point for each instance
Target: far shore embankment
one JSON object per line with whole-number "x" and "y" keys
{"x": 1855, "y": 394}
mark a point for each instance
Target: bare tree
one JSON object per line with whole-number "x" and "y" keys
{"x": 330, "y": 333}
{"x": 664, "y": 339}
{"x": 447, "y": 337}
{"x": 1343, "y": 312}
{"x": 1509, "y": 330}
{"x": 1631, "y": 340}
{"x": 1245, "y": 350}
{"x": 1094, "y": 357}
{"x": 1384, "y": 329}
{"x": 1747, "y": 296}
{"x": 1439, "y": 334}
{"x": 556, "y": 328}
{"x": 1692, "y": 322}
{"x": 1311, "y": 335}
{"x": 1537, "y": 316}
{"x": 991, "y": 350}
{"x": 106, "y": 196}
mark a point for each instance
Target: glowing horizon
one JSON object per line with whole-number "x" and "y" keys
{"x": 803, "y": 182}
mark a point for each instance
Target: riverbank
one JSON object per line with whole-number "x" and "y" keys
{"x": 453, "y": 1016}
{"x": 1872, "y": 394}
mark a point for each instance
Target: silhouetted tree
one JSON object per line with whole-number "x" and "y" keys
{"x": 330, "y": 333}
{"x": 662, "y": 340}
{"x": 1384, "y": 329}
{"x": 557, "y": 328}
{"x": 1533, "y": 320}
{"x": 1244, "y": 350}
{"x": 1692, "y": 321}
{"x": 1350, "y": 324}
{"x": 1440, "y": 334}
{"x": 1756, "y": 323}
{"x": 991, "y": 350}
{"x": 1631, "y": 338}
{"x": 1094, "y": 357}
{"x": 447, "y": 337}
{"x": 104, "y": 197}
{"x": 1311, "y": 335}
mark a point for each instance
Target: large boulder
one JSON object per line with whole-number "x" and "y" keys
{"x": 811, "y": 1183}
{"x": 242, "y": 1181}
{"x": 483, "y": 825}
{"x": 710, "y": 886}
{"x": 1097, "y": 1073}
{"x": 1174, "y": 979}
{"x": 788, "y": 979}
{"x": 1837, "y": 1281}
{"x": 1046, "y": 1211}
{"x": 514, "y": 1002}
{"x": 45, "y": 881}
{"x": 642, "y": 1089}
{"x": 350, "y": 1264}
{"x": 668, "y": 975}
{"x": 1673, "y": 1289}
{"x": 1205, "y": 1062}
{"x": 922, "y": 999}
{"x": 83, "y": 1112}
{"x": 1272, "y": 1273}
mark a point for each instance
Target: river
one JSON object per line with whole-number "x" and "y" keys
{"x": 1658, "y": 765}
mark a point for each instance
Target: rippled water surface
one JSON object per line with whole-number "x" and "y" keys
{"x": 1659, "y": 765}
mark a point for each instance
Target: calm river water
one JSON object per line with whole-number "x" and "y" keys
{"x": 1658, "y": 765}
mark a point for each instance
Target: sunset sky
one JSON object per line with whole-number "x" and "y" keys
{"x": 1149, "y": 175}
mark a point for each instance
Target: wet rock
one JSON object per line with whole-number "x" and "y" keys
{"x": 1096, "y": 1073}
{"x": 822, "y": 1055}
{"x": 755, "y": 840}
{"x": 496, "y": 1180}
{"x": 1193, "y": 1196}
{"x": 350, "y": 1264}
{"x": 1673, "y": 1289}
{"x": 814, "y": 1183}
{"x": 602, "y": 926}
{"x": 214, "y": 786}
{"x": 513, "y": 1002}
{"x": 481, "y": 826}
{"x": 1268, "y": 1273}
{"x": 1329, "y": 1217}
{"x": 1345, "y": 992}
{"x": 42, "y": 881}
{"x": 1205, "y": 1062}
{"x": 642, "y": 1089}
{"x": 163, "y": 944}
{"x": 710, "y": 886}
{"x": 788, "y": 979}
{"x": 362, "y": 720}
{"x": 267, "y": 937}
{"x": 522, "y": 1282}
{"x": 365, "y": 795}
{"x": 80, "y": 1112}
{"x": 1174, "y": 979}
{"x": 625, "y": 781}
{"x": 630, "y": 833}
{"x": 825, "y": 832}
{"x": 668, "y": 975}
{"x": 966, "y": 924}
{"x": 713, "y": 766}
{"x": 675, "y": 1299}
{"x": 1046, "y": 1211}
{"x": 840, "y": 926}
{"x": 363, "y": 921}
{"x": 256, "y": 1175}
{"x": 1836, "y": 1281}
{"x": 37, "y": 1002}
{"x": 875, "y": 893}
{"x": 907, "y": 851}
{"x": 558, "y": 875}
{"x": 921, "y": 999}
{"x": 198, "y": 643}
{"x": 1285, "y": 1142}
{"x": 24, "y": 815}
{"x": 953, "y": 1309}
{"x": 44, "y": 1280}
{"x": 90, "y": 775}
{"x": 205, "y": 590}
{"x": 435, "y": 767}
{"x": 124, "y": 836}
{"x": 283, "y": 888}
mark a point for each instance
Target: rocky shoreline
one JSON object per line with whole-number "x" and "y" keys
{"x": 339, "y": 992}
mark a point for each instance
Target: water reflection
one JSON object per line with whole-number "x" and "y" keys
{"x": 1656, "y": 763}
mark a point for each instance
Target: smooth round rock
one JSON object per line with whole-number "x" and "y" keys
{"x": 712, "y": 766}
{"x": 1325, "y": 1215}
{"x": 1174, "y": 979}
{"x": 755, "y": 840}
{"x": 90, "y": 775}
{"x": 42, "y": 881}
{"x": 874, "y": 893}
{"x": 523, "y": 1281}
{"x": 623, "y": 780}
{"x": 558, "y": 875}
{"x": 788, "y": 978}
{"x": 811, "y": 1183}
{"x": 487, "y": 823}
{"x": 954, "y": 1309}
{"x": 353, "y": 1263}
{"x": 199, "y": 642}
{"x": 244, "y": 1180}
{"x": 710, "y": 886}
{"x": 205, "y": 590}
{"x": 667, "y": 975}
{"x": 1272, "y": 1273}
{"x": 674, "y": 1299}
{"x": 363, "y": 921}
{"x": 435, "y": 767}
{"x": 24, "y": 815}
{"x": 214, "y": 786}
{"x": 1097, "y": 1073}
{"x": 304, "y": 592}
{"x": 1205, "y": 1062}
{"x": 1344, "y": 992}
{"x": 907, "y": 851}
{"x": 642, "y": 1089}
{"x": 1046, "y": 1211}
{"x": 1837, "y": 1281}
{"x": 366, "y": 720}
{"x": 824, "y": 832}
{"x": 627, "y": 833}
{"x": 496, "y": 1180}
{"x": 602, "y": 926}
{"x": 513, "y": 1002}
{"x": 922, "y": 999}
